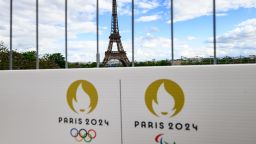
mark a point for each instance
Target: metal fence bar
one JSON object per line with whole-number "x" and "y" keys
{"x": 66, "y": 34}
{"x": 97, "y": 21}
{"x": 172, "y": 33}
{"x": 97, "y": 37}
{"x": 214, "y": 32}
{"x": 133, "y": 65}
{"x": 11, "y": 53}
{"x": 37, "y": 36}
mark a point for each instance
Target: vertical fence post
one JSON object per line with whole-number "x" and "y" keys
{"x": 214, "y": 32}
{"x": 11, "y": 52}
{"x": 133, "y": 33}
{"x": 97, "y": 35}
{"x": 172, "y": 33}
{"x": 66, "y": 34}
{"x": 37, "y": 37}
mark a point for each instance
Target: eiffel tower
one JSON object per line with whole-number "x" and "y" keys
{"x": 115, "y": 37}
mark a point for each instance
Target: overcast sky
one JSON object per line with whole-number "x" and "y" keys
{"x": 236, "y": 29}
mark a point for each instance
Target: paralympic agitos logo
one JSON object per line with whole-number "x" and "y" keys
{"x": 160, "y": 139}
{"x": 172, "y": 89}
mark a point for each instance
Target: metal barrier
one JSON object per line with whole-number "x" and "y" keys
{"x": 97, "y": 30}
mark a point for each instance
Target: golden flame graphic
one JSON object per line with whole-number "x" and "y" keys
{"x": 172, "y": 88}
{"x": 88, "y": 88}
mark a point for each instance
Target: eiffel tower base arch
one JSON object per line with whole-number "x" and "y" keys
{"x": 118, "y": 55}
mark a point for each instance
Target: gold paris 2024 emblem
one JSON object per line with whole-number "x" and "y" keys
{"x": 89, "y": 89}
{"x": 172, "y": 89}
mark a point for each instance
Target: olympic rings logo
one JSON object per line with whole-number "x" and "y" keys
{"x": 83, "y": 135}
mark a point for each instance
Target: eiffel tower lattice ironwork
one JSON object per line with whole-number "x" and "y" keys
{"x": 115, "y": 37}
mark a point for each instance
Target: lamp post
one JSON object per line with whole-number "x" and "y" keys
{"x": 214, "y": 31}
{"x": 11, "y": 52}
{"x": 37, "y": 36}
{"x": 133, "y": 33}
{"x": 172, "y": 33}
{"x": 97, "y": 30}
{"x": 66, "y": 34}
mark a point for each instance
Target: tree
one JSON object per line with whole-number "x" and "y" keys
{"x": 28, "y": 60}
{"x": 47, "y": 63}
{"x": 4, "y": 56}
{"x": 58, "y": 58}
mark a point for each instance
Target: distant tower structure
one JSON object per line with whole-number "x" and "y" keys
{"x": 115, "y": 37}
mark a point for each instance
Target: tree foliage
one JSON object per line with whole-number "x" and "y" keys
{"x": 27, "y": 60}
{"x": 4, "y": 56}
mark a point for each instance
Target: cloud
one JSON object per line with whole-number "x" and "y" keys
{"x": 152, "y": 46}
{"x": 221, "y": 14}
{"x": 81, "y": 21}
{"x": 187, "y": 9}
{"x": 241, "y": 37}
{"x": 147, "y": 4}
{"x": 157, "y": 47}
{"x": 81, "y": 51}
{"x": 81, "y": 24}
{"x": 148, "y": 18}
{"x": 239, "y": 41}
{"x": 2, "y": 27}
{"x": 226, "y": 5}
{"x": 190, "y": 38}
